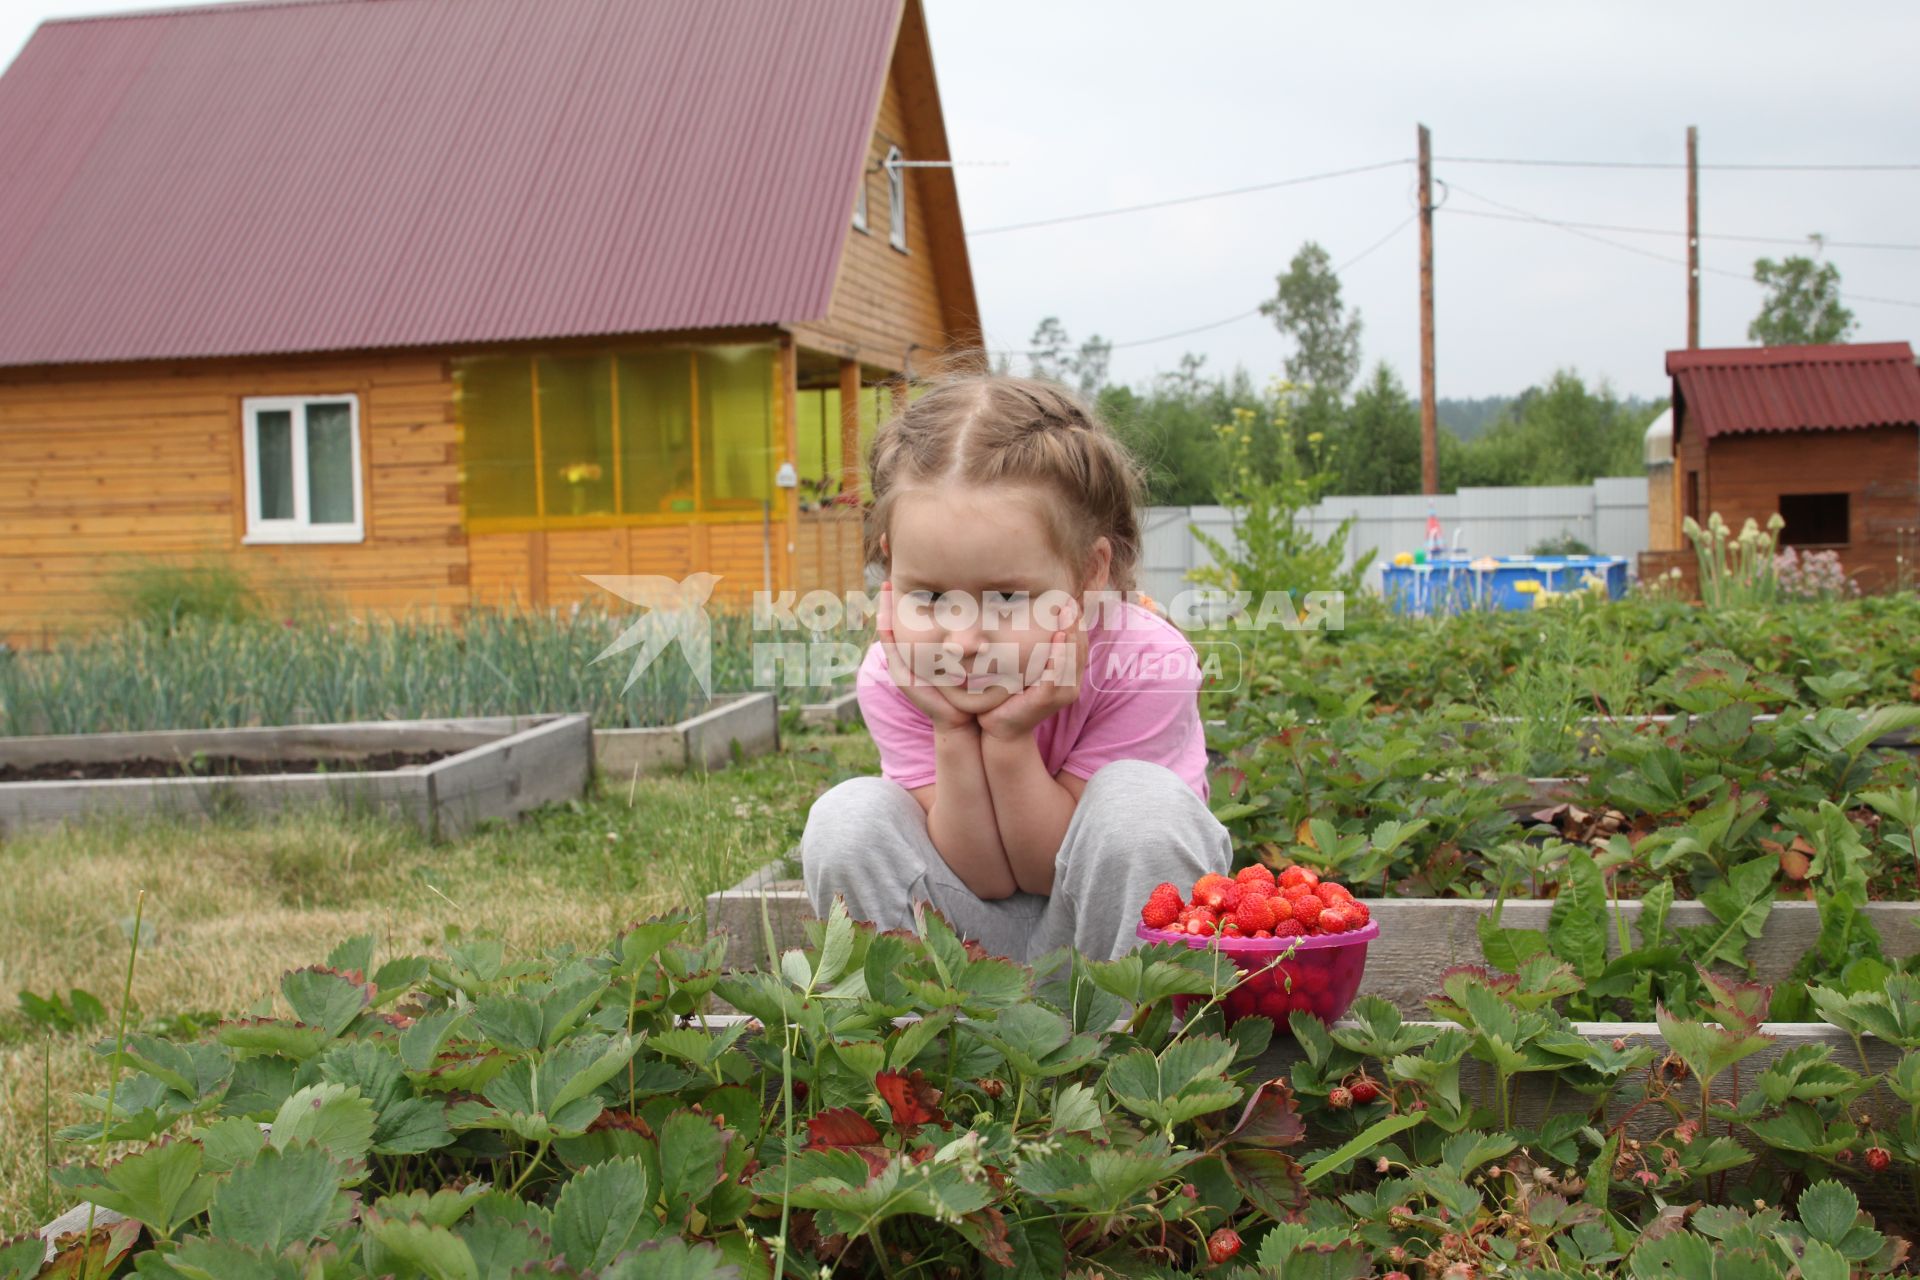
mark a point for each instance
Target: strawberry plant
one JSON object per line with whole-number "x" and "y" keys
{"x": 901, "y": 1103}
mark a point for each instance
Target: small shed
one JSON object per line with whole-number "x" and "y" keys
{"x": 1826, "y": 436}
{"x": 428, "y": 304}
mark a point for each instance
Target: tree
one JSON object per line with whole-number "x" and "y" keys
{"x": 1306, "y": 307}
{"x": 1802, "y": 305}
{"x": 1049, "y": 350}
{"x": 1184, "y": 381}
{"x": 1562, "y": 433}
{"x": 1379, "y": 441}
{"x": 1171, "y": 427}
{"x": 1090, "y": 366}
{"x": 1052, "y": 355}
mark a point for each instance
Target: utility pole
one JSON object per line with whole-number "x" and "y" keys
{"x": 1429, "y": 439}
{"x": 1693, "y": 238}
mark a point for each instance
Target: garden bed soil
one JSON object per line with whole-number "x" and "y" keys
{"x": 225, "y": 766}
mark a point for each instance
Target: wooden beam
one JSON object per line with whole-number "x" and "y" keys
{"x": 787, "y": 372}
{"x": 1429, "y": 430}
{"x": 849, "y": 426}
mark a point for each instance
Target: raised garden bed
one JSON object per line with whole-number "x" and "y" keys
{"x": 834, "y": 713}
{"x": 445, "y": 776}
{"x": 748, "y": 722}
{"x": 1419, "y": 937}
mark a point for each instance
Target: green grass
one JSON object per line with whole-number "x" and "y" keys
{"x": 233, "y": 902}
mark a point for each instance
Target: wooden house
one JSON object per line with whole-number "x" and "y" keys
{"x": 424, "y": 304}
{"x": 1826, "y": 436}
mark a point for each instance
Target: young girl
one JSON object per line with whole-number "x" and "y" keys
{"x": 1042, "y": 760}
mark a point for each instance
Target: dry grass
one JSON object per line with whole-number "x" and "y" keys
{"x": 232, "y": 904}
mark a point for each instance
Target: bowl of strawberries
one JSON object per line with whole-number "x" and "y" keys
{"x": 1299, "y": 942}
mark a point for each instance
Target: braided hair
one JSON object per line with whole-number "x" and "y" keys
{"x": 994, "y": 431}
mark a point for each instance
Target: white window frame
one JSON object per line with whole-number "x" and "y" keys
{"x": 860, "y": 203}
{"x": 896, "y": 200}
{"x": 300, "y": 528}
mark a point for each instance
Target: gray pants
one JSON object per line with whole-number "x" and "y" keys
{"x": 1136, "y": 824}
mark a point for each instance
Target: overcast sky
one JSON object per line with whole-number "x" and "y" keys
{"x": 1080, "y": 105}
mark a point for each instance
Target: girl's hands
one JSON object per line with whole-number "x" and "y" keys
{"x": 926, "y": 697}
{"x": 1058, "y": 684}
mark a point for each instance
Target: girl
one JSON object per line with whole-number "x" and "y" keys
{"x": 1042, "y": 760}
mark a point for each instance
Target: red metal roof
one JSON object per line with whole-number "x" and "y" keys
{"x": 338, "y": 174}
{"x": 1815, "y": 388}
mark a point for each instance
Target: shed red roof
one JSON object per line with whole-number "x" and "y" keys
{"x": 1815, "y": 388}
{"x": 336, "y": 174}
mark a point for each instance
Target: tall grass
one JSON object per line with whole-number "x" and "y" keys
{"x": 166, "y": 596}
{"x": 190, "y": 671}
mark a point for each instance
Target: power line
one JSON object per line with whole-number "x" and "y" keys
{"x": 1398, "y": 227}
{"x": 1801, "y": 241}
{"x": 1526, "y": 215}
{"x": 1669, "y": 164}
{"x": 1179, "y": 200}
{"x": 1237, "y": 317}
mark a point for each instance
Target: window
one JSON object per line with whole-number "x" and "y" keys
{"x": 651, "y": 436}
{"x": 896, "y": 200}
{"x": 302, "y": 456}
{"x": 1814, "y": 520}
{"x": 860, "y": 200}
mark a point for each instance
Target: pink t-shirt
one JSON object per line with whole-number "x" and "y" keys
{"x": 1137, "y": 702}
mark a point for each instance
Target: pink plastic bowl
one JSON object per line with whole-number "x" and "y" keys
{"x": 1319, "y": 975}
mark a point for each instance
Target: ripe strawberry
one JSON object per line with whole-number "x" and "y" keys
{"x": 1306, "y": 914}
{"x": 1210, "y": 891}
{"x": 1223, "y": 1244}
{"x": 1202, "y": 922}
{"x": 1298, "y": 875}
{"x": 1230, "y": 930}
{"x": 1282, "y": 907}
{"x": 1263, "y": 933}
{"x": 1163, "y": 907}
{"x": 1330, "y": 893}
{"x": 1360, "y": 912}
{"x": 1340, "y": 1097}
{"x": 1365, "y": 1091}
{"x": 1335, "y": 920}
{"x": 1254, "y": 913}
{"x": 1878, "y": 1158}
{"x": 1230, "y": 898}
{"x": 1256, "y": 875}
{"x": 1288, "y": 928}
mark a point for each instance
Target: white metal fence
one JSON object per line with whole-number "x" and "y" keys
{"x": 1609, "y": 515}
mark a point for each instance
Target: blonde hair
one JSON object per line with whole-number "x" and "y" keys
{"x": 994, "y": 430}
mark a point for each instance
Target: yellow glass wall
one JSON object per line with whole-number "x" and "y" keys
{"x": 656, "y": 432}
{"x": 817, "y": 433}
{"x": 737, "y": 452}
{"x": 665, "y": 434}
{"x": 818, "y": 430}
{"x": 495, "y": 395}
{"x": 576, "y": 434}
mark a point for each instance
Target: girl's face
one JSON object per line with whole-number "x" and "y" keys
{"x": 978, "y": 589}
